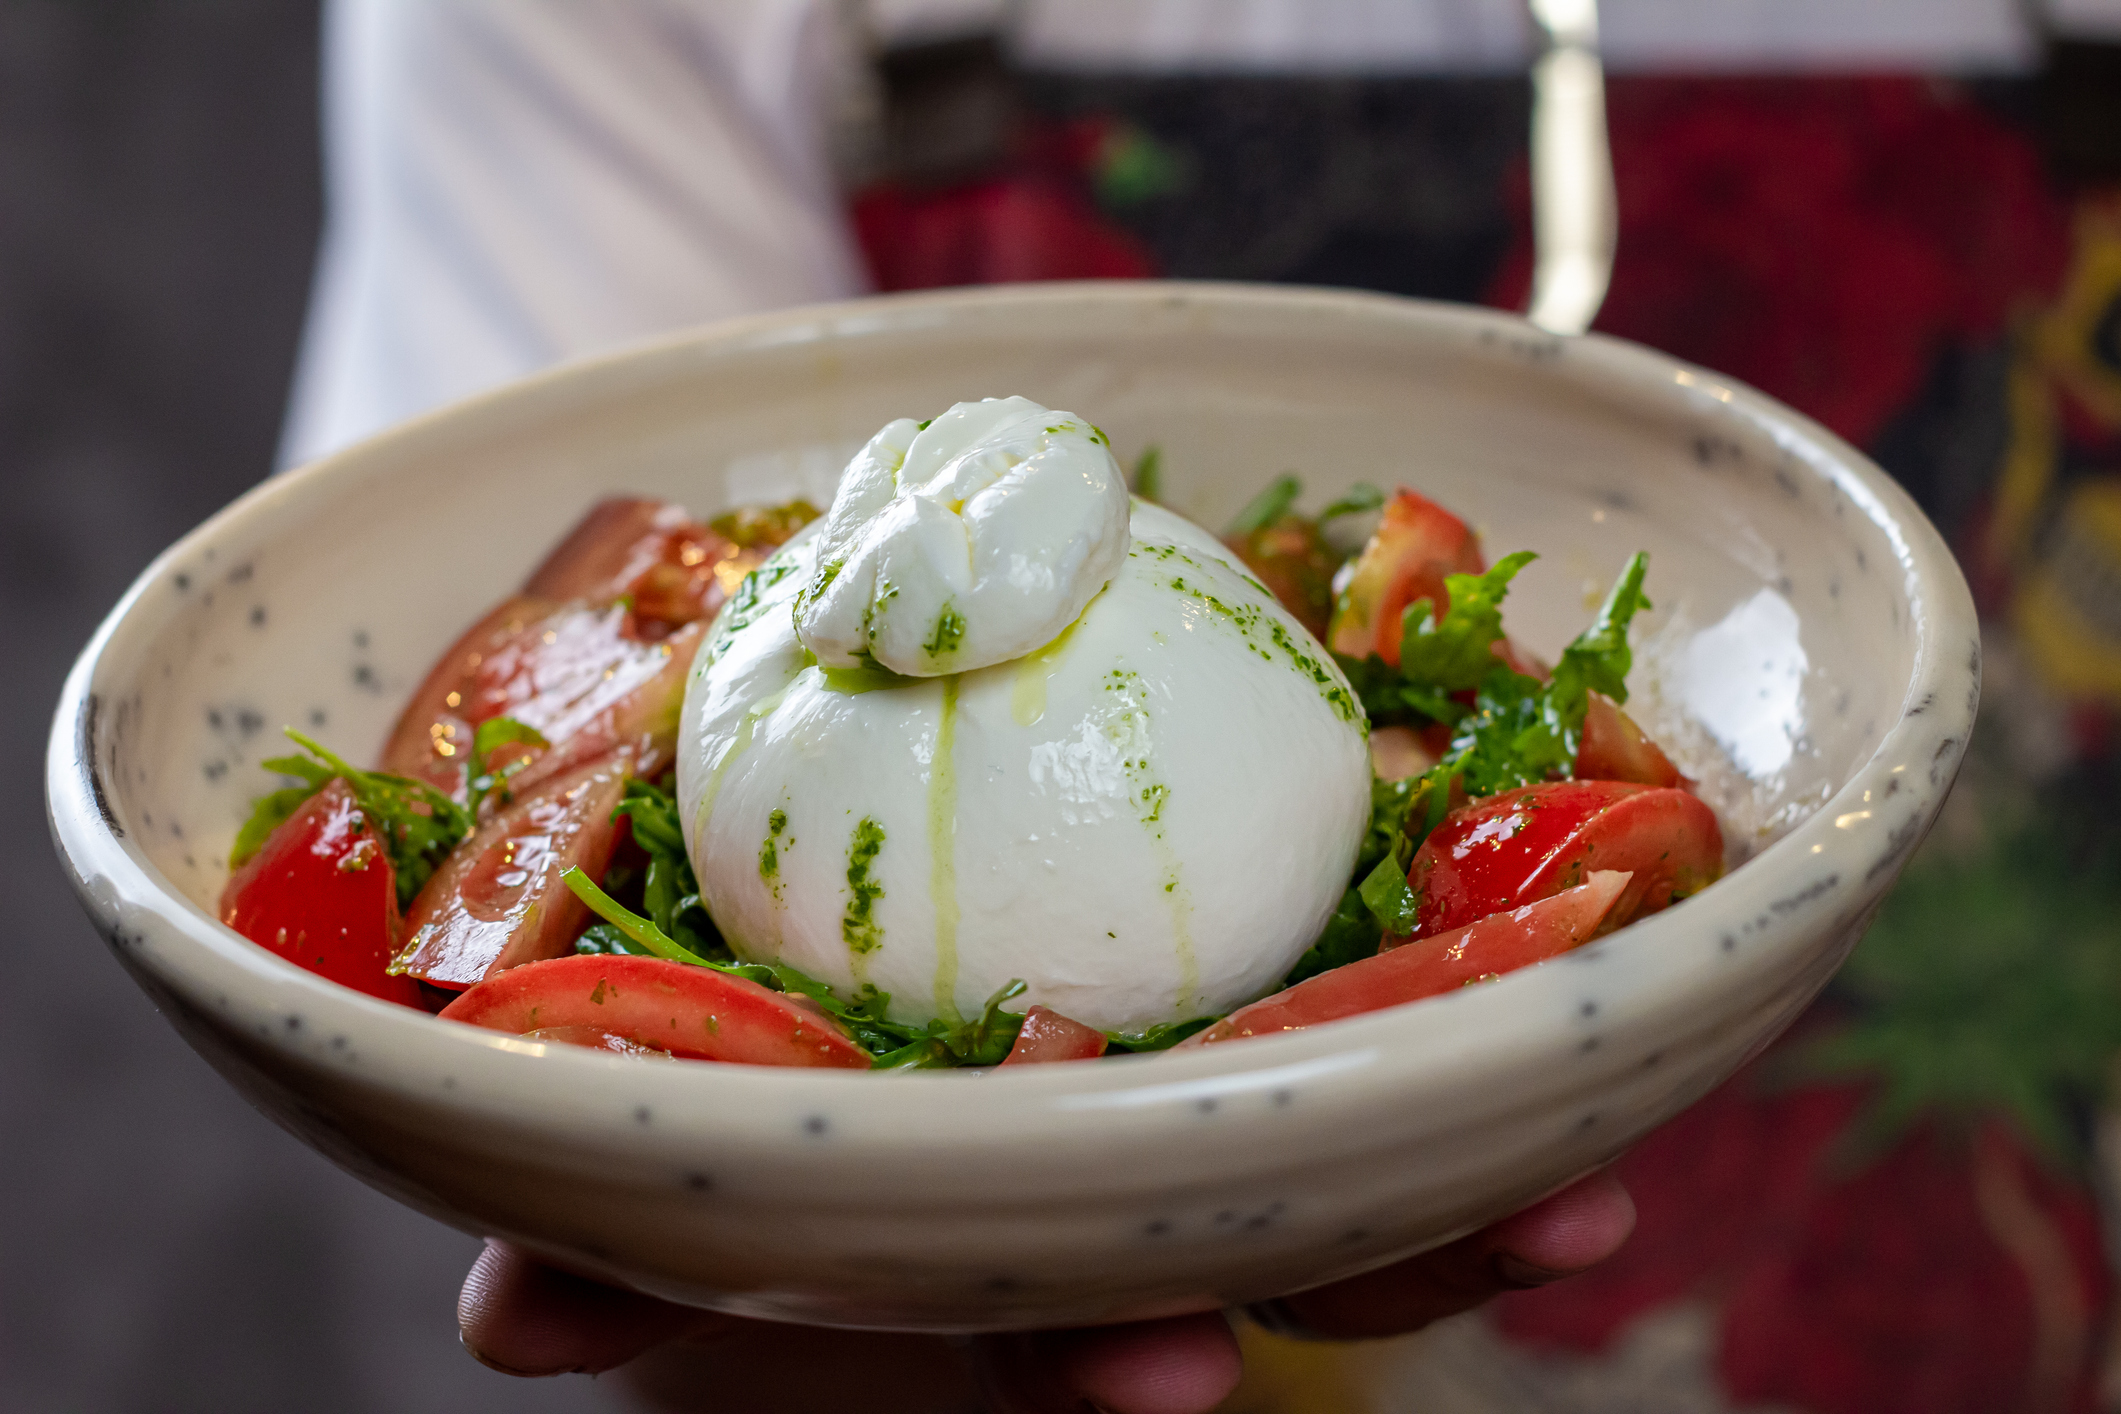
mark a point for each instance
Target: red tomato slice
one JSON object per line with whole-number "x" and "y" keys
{"x": 322, "y": 894}
{"x": 1417, "y": 543}
{"x": 1528, "y": 844}
{"x": 631, "y": 709}
{"x": 1049, "y": 1036}
{"x": 498, "y": 901}
{"x": 1499, "y": 943}
{"x": 1615, "y": 749}
{"x": 694, "y": 1012}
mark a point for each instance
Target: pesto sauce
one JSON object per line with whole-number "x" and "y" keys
{"x": 770, "y": 852}
{"x": 858, "y": 926}
{"x": 738, "y": 744}
{"x": 1128, "y": 729}
{"x": 949, "y": 631}
{"x": 1254, "y": 622}
{"x": 942, "y": 849}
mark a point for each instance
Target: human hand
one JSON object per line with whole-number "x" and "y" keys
{"x": 527, "y": 1319}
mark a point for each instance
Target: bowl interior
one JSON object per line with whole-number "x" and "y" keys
{"x": 1777, "y": 654}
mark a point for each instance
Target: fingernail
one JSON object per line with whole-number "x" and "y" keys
{"x": 1517, "y": 1272}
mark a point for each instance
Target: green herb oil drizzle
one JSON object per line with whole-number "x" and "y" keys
{"x": 942, "y": 847}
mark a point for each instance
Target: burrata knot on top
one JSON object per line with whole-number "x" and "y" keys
{"x": 991, "y": 720}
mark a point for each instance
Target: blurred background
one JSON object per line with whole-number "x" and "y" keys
{"x": 1902, "y": 216}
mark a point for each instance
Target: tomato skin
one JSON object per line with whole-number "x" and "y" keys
{"x": 1049, "y": 1036}
{"x": 1615, "y": 749}
{"x": 498, "y": 900}
{"x": 1416, "y": 544}
{"x": 323, "y": 895}
{"x": 620, "y": 539}
{"x": 1521, "y": 846}
{"x": 1499, "y": 943}
{"x": 692, "y": 1012}
{"x": 433, "y": 735}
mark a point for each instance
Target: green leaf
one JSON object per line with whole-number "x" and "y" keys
{"x": 1149, "y": 474}
{"x": 1598, "y": 660}
{"x": 417, "y": 824}
{"x": 1456, "y": 653}
{"x": 1267, "y": 507}
{"x": 1157, "y": 1038}
{"x": 494, "y": 733}
{"x": 1360, "y": 497}
{"x": 268, "y": 813}
{"x": 1391, "y": 902}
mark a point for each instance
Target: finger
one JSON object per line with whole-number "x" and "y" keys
{"x": 1183, "y": 1365}
{"x": 524, "y": 1318}
{"x": 1559, "y": 1236}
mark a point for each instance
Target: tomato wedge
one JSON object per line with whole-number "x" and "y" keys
{"x": 577, "y": 675}
{"x": 322, "y": 894}
{"x": 1524, "y": 845}
{"x": 1499, "y": 943}
{"x": 693, "y": 1012}
{"x": 1615, "y": 749}
{"x": 433, "y": 736}
{"x": 1049, "y": 1036}
{"x": 498, "y": 900}
{"x": 1416, "y": 544}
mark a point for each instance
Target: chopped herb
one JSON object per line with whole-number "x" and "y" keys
{"x": 949, "y": 632}
{"x": 985, "y": 1040}
{"x": 858, "y": 926}
{"x": 417, "y": 824}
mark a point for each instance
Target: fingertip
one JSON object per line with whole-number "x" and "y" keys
{"x": 1183, "y": 1365}
{"x": 520, "y": 1317}
{"x": 1571, "y": 1231}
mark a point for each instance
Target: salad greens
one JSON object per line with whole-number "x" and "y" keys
{"x": 1515, "y": 730}
{"x": 417, "y": 824}
{"x": 676, "y": 928}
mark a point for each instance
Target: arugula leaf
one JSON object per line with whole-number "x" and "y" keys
{"x": 1149, "y": 474}
{"x": 1361, "y": 497}
{"x": 1455, "y": 653}
{"x": 1267, "y": 507}
{"x": 494, "y": 733}
{"x": 677, "y": 928}
{"x": 417, "y": 824}
{"x": 1598, "y": 660}
{"x": 1158, "y": 1038}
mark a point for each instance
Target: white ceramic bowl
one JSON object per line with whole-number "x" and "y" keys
{"x": 1810, "y": 618}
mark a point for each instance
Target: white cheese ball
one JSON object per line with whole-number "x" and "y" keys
{"x": 964, "y": 541}
{"x": 1146, "y": 820}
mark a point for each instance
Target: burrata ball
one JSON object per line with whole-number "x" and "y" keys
{"x": 1146, "y": 818}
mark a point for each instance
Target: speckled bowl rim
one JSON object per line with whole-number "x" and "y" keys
{"x": 1802, "y": 889}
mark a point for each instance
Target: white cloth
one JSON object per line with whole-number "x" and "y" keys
{"x": 515, "y": 182}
